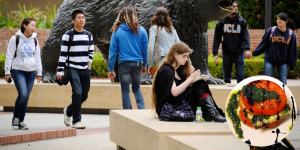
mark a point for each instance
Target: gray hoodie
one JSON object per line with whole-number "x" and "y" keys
{"x": 165, "y": 41}
{"x": 28, "y": 56}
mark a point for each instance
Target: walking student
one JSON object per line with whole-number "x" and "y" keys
{"x": 129, "y": 40}
{"x": 236, "y": 40}
{"x": 23, "y": 65}
{"x": 76, "y": 56}
{"x": 279, "y": 44}
{"x": 163, "y": 30}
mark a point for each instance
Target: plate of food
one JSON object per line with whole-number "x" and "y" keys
{"x": 261, "y": 111}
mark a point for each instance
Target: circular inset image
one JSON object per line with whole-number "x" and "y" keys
{"x": 261, "y": 111}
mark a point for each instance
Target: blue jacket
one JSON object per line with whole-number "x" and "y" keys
{"x": 129, "y": 46}
{"x": 281, "y": 50}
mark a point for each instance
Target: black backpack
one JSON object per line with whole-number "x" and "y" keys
{"x": 17, "y": 43}
{"x": 71, "y": 36}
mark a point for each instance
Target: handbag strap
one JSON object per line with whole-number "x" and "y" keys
{"x": 157, "y": 47}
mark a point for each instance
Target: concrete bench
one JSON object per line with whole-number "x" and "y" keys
{"x": 140, "y": 130}
{"x": 205, "y": 142}
{"x": 102, "y": 95}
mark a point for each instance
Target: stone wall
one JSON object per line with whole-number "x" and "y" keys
{"x": 255, "y": 37}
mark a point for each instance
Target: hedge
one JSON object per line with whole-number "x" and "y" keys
{"x": 254, "y": 66}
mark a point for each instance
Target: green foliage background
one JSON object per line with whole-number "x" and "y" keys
{"x": 254, "y": 11}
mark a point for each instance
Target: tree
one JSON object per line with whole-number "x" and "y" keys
{"x": 254, "y": 11}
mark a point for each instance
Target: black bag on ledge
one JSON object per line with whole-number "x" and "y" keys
{"x": 176, "y": 113}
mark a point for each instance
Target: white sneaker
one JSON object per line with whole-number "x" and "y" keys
{"x": 78, "y": 125}
{"x": 15, "y": 123}
{"x": 23, "y": 126}
{"x": 67, "y": 120}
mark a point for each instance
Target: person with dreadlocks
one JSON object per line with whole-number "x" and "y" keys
{"x": 129, "y": 40}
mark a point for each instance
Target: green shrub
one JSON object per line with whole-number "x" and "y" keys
{"x": 99, "y": 68}
{"x": 2, "y": 62}
{"x": 253, "y": 66}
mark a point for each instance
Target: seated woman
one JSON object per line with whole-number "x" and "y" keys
{"x": 172, "y": 82}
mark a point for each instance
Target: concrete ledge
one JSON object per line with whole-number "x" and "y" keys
{"x": 139, "y": 129}
{"x": 11, "y": 138}
{"x": 102, "y": 95}
{"x": 205, "y": 142}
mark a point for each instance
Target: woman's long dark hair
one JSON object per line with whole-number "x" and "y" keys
{"x": 285, "y": 17}
{"x": 26, "y": 21}
{"x": 161, "y": 18}
{"x": 186, "y": 69}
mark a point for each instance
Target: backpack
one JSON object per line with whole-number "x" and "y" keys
{"x": 17, "y": 43}
{"x": 71, "y": 36}
{"x": 272, "y": 31}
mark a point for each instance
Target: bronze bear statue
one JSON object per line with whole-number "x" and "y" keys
{"x": 189, "y": 17}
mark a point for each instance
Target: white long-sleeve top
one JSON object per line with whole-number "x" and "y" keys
{"x": 28, "y": 55}
{"x": 165, "y": 42}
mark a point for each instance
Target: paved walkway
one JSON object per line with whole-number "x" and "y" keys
{"x": 96, "y": 134}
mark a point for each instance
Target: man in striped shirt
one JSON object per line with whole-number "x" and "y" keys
{"x": 76, "y": 56}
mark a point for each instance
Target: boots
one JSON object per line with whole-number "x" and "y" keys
{"x": 210, "y": 112}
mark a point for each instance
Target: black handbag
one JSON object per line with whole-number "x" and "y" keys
{"x": 176, "y": 113}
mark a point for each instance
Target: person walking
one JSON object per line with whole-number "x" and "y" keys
{"x": 23, "y": 65}
{"x": 163, "y": 31}
{"x": 236, "y": 40}
{"x": 129, "y": 40}
{"x": 76, "y": 54}
{"x": 279, "y": 44}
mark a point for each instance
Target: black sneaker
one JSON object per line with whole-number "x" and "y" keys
{"x": 23, "y": 126}
{"x": 15, "y": 123}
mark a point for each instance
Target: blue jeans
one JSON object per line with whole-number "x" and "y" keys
{"x": 131, "y": 71}
{"x": 228, "y": 61}
{"x": 80, "y": 82}
{"x": 282, "y": 71}
{"x": 24, "y": 82}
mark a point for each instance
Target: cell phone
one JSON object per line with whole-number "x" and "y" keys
{"x": 9, "y": 80}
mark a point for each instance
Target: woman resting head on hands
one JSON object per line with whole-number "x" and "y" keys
{"x": 172, "y": 84}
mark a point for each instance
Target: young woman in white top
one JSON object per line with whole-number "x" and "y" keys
{"x": 167, "y": 36}
{"x": 23, "y": 60}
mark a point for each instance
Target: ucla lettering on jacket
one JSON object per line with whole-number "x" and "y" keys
{"x": 280, "y": 39}
{"x": 230, "y": 28}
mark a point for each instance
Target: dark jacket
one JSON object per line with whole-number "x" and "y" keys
{"x": 235, "y": 34}
{"x": 280, "y": 50}
{"x": 163, "y": 85}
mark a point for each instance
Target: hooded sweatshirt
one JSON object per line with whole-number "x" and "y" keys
{"x": 130, "y": 46}
{"x": 280, "y": 50}
{"x": 236, "y": 38}
{"x": 28, "y": 55}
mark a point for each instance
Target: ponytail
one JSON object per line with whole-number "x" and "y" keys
{"x": 290, "y": 24}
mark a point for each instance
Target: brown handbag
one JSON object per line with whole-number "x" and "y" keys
{"x": 154, "y": 69}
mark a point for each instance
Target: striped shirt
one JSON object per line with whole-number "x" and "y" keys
{"x": 80, "y": 53}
